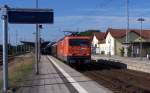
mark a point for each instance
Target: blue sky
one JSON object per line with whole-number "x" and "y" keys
{"x": 79, "y": 15}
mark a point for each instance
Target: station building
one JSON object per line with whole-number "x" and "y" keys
{"x": 113, "y": 42}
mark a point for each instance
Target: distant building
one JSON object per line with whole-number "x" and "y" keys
{"x": 97, "y": 39}
{"x": 113, "y": 41}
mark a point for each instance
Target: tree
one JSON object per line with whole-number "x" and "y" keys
{"x": 88, "y": 32}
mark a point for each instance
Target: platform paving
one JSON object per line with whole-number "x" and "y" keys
{"x": 131, "y": 63}
{"x": 52, "y": 80}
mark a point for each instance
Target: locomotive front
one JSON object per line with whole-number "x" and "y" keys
{"x": 79, "y": 49}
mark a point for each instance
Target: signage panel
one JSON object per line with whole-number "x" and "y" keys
{"x": 30, "y": 16}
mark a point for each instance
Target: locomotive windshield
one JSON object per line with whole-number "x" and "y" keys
{"x": 79, "y": 42}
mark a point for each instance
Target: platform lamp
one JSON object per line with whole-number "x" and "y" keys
{"x": 141, "y": 20}
{"x": 36, "y": 42}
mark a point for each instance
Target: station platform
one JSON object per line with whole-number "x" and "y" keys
{"x": 133, "y": 63}
{"x": 57, "y": 77}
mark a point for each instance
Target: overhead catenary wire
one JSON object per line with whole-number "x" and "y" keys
{"x": 89, "y": 13}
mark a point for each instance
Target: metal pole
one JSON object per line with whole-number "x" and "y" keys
{"x": 25, "y": 46}
{"x": 141, "y": 21}
{"x": 16, "y": 42}
{"x": 9, "y": 45}
{"x": 141, "y": 42}
{"x": 127, "y": 29}
{"x": 36, "y": 45}
{"x": 36, "y": 50}
{"x": 5, "y": 50}
{"x": 22, "y": 47}
{"x": 39, "y": 45}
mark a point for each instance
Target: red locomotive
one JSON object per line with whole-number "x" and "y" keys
{"x": 74, "y": 49}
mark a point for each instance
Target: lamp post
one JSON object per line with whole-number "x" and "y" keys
{"x": 141, "y": 20}
{"x": 36, "y": 45}
{"x": 16, "y": 42}
{"x": 39, "y": 44}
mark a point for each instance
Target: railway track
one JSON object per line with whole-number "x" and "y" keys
{"x": 138, "y": 74}
{"x": 10, "y": 57}
{"x": 117, "y": 79}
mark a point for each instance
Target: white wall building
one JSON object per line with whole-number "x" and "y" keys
{"x": 98, "y": 38}
{"x": 109, "y": 44}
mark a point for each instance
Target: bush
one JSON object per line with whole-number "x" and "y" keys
{"x": 148, "y": 50}
{"x": 129, "y": 52}
{"x": 19, "y": 72}
{"x": 122, "y": 51}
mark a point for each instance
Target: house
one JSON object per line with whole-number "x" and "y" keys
{"x": 97, "y": 39}
{"x": 114, "y": 40}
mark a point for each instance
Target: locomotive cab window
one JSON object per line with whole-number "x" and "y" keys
{"x": 79, "y": 42}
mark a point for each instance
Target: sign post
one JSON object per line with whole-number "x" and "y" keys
{"x": 20, "y": 16}
{"x": 31, "y": 16}
{"x": 5, "y": 49}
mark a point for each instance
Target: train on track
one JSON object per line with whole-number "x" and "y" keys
{"x": 73, "y": 49}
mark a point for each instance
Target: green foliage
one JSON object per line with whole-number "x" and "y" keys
{"x": 129, "y": 52}
{"x": 148, "y": 50}
{"x": 88, "y": 32}
{"x": 122, "y": 51}
{"x": 19, "y": 75}
{"x": 102, "y": 52}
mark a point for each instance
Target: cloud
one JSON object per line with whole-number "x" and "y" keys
{"x": 95, "y": 10}
{"x": 138, "y": 12}
{"x": 85, "y": 20}
{"x": 140, "y": 9}
{"x": 134, "y": 12}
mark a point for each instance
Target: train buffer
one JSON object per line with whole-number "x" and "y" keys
{"x": 57, "y": 77}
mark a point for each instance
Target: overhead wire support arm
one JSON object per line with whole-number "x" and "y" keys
{"x": 72, "y": 33}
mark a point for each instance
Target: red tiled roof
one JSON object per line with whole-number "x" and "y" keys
{"x": 119, "y": 33}
{"x": 100, "y": 36}
{"x": 144, "y": 33}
